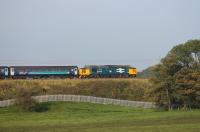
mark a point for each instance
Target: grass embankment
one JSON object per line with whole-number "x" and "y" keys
{"x": 73, "y": 117}
{"x": 130, "y": 89}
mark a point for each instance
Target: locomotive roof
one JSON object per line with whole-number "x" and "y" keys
{"x": 108, "y": 66}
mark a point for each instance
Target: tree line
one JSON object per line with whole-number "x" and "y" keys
{"x": 176, "y": 79}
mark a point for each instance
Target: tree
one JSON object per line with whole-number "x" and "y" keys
{"x": 147, "y": 73}
{"x": 188, "y": 87}
{"x": 176, "y": 77}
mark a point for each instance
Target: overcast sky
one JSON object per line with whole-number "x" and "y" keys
{"x": 79, "y": 32}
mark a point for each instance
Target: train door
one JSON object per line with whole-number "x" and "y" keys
{"x": 75, "y": 71}
{"x": 6, "y": 71}
{"x": 12, "y": 71}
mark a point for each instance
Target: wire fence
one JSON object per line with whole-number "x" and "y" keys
{"x": 81, "y": 98}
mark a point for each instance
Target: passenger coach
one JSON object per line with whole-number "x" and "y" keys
{"x": 4, "y": 72}
{"x": 43, "y": 71}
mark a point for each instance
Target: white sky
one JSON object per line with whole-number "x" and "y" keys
{"x": 79, "y": 32}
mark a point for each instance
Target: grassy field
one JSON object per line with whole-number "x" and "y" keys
{"x": 85, "y": 117}
{"x": 130, "y": 89}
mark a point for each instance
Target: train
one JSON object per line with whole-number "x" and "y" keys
{"x": 88, "y": 71}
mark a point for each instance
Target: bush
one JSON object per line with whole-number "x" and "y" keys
{"x": 41, "y": 107}
{"x": 25, "y": 102}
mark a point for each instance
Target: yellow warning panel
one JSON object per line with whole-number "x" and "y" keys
{"x": 84, "y": 72}
{"x": 132, "y": 71}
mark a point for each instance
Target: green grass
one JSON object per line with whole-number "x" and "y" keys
{"x": 85, "y": 117}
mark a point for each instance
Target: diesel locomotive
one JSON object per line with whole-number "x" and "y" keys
{"x": 89, "y": 71}
{"x": 107, "y": 71}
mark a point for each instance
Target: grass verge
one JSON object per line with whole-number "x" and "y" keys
{"x": 86, "y": 117}
{"x": 128, "y": 89}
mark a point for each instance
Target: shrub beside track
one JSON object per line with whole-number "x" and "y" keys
{"x": 125, "y": 89}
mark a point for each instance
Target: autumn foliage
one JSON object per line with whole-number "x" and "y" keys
{"x": 177, "y": 77}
